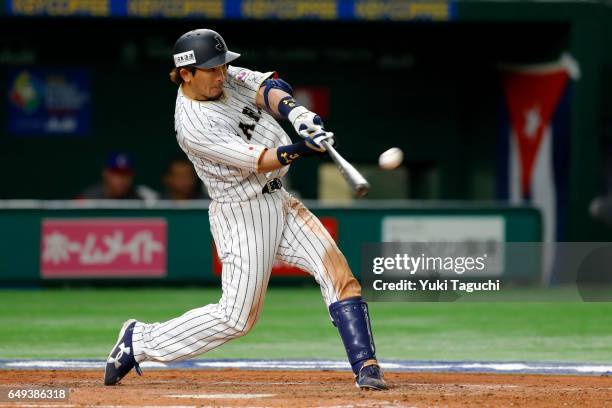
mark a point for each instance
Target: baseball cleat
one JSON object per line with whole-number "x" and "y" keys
{"x": 121, "y": 358}
{"x": 370, "y": 378}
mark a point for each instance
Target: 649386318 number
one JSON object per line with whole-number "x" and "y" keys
{"x": 25, "y": 394}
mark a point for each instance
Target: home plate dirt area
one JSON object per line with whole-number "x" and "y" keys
{"x": 247, "y": 388}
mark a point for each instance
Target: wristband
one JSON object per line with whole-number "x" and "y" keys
{"x": 290, "y": 153}
{"x": 288, "y": 107}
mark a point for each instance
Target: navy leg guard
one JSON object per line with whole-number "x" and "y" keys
{"x": 351, "y": 318}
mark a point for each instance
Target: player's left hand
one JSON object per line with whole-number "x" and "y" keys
{"x": 314, "y": 142}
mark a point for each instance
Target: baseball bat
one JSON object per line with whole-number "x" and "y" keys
{"x": 354, "y": 179}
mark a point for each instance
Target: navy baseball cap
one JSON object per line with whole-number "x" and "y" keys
{"x": 120, "y": 162}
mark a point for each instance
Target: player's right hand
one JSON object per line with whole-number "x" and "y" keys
{"x": 306, "y": 123}
{"x": 314, "y": 142}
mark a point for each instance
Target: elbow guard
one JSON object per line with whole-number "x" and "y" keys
{"x": 272, "y": 83}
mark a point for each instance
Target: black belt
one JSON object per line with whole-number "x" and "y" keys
{"x": 272, "y": 186}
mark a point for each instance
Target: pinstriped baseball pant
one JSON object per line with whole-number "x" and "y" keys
{"x": 249, "y": 236}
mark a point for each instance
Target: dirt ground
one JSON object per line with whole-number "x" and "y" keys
{"x": 241, "y": 388}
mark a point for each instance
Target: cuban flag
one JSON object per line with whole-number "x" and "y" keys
{"x": 534, "y": 144}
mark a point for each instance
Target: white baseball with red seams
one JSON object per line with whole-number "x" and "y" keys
{"x": 224, "y": 139}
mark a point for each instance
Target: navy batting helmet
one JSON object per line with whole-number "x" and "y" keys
{"x": 201, "y": 49}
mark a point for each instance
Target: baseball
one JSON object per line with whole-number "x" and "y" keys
{"x": 391, "y": 158}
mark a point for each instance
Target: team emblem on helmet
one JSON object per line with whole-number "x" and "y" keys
{"x": 219, "y": 46}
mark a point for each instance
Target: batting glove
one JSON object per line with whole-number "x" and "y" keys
{"x": 305, "y": 122}
{"x": 314, "y": 142}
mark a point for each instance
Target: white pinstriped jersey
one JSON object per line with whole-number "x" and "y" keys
{"x": 225, "y": 138}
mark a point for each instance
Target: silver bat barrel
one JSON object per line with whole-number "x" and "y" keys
{"x": 354, "y": 179}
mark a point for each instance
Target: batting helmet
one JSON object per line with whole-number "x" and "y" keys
{"x": 201, "y": 49}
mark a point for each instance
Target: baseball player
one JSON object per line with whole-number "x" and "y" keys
{"x": 224, "y": 123}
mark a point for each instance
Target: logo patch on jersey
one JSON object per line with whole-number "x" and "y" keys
{"x": 242, "y": 75}
{"x": 184, "y": 58}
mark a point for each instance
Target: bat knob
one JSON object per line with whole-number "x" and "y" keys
{"x": 362, "y": 190}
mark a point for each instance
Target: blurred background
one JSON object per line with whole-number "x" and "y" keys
{"x": 496, "y": 105}
{"x": 503, "y": 111}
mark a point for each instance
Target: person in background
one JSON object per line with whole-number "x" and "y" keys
{"x": 181, "y": 182}
{"x": 118, "y": 182}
